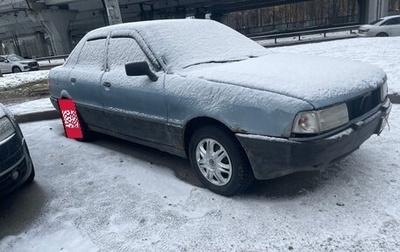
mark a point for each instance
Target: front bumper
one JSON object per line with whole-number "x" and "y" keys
{"x": 15, "y": 158}
{"x": 272, "y": 157}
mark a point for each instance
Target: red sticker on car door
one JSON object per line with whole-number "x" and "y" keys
{"x": 70, "y": 119}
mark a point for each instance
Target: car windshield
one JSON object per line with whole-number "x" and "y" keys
{"x": 193, "y": 42}
{"x": 15, "y": 58}
{"x": 376, "y": 21}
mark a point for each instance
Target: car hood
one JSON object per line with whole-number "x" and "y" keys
{"x": 320, "y": 81}
{"x": 26, "y": 61}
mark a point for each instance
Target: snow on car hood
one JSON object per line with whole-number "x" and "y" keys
{"x": 26, "y": 61}
{"x": 367, "y": 26}
{"x": 320, "y": 81}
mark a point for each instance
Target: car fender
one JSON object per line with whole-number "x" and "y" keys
{"x": 241, "y": 109}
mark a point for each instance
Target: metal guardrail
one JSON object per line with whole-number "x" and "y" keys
{"x": 299, "y": 34}
{"x": 50, "y": 58}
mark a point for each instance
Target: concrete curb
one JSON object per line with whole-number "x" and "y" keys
{"x": 37, "y": 116}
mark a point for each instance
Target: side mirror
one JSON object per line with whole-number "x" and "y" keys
{"x": 140, "y": 69}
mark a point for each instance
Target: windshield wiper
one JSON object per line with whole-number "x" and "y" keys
{"x": 212, "y": 61}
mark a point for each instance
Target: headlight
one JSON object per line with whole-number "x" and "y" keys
{"x": 6, "y": 128}
{"x": 384, "y": 91}
{"x": 314, "y": 122}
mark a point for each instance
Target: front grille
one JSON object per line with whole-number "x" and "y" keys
{"x": 363, "y": 104}
{"x": 32, "y": 64}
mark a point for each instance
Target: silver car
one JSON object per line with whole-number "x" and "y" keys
{"x": 384, "y": 27}
{"x": 13, "y": 63}
{"x": 198, "y": 89}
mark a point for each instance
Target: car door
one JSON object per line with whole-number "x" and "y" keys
{"x": 394, "y": 26}
{"x": 134, "y": 105}
{"x": 84, "y": 81}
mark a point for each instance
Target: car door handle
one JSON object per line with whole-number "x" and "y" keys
{"x": 107, "y": 84}
{"x": 73, "y": 80}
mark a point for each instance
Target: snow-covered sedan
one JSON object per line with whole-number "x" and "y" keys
{"x": 16, "y": 167}
{"x": 199, "y": 89}
{"x": 384, "y": 27}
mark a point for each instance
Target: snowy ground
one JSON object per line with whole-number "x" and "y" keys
{"x": 12, "y": 80}
{"x": 110, "y": 195}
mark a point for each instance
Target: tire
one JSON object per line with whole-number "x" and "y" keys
{"x": 382, "y": 34}
{"x": 220, "y": 161}
{"x": 87, "y": 134}
{"x": 16, "y": 70}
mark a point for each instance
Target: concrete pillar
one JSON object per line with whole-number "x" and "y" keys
{"x": 41, "y": 44}
{"x": 373, "y": 9}
{"x": 113, "y": 11}
{"x": 56, "y": 23}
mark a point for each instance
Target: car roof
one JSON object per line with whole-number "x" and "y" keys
{"x": 141, "y": 25}
{"x": 389, "y": 17}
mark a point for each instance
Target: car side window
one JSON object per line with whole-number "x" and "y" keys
{"x": 122, "y": 50}
{"x": 396, "y": 21}
{"x": 92, "y": 54}
{"x": 393, "y": 21}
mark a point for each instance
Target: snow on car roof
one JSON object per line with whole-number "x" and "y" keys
{"x": 184, "y": 42}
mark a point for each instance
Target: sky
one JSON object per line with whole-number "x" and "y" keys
{"x": 111, "y": 195}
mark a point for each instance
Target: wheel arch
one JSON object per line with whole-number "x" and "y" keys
{"x": 382, "y": 34}
{"x": 197, "y": 123}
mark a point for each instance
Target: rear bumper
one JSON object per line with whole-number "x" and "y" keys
{"x": 274, "y": 157}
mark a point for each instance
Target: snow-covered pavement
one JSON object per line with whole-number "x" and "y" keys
{"x": 111, "y": 195}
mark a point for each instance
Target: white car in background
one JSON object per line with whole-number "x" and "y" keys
{"x": 384, "y": 27}
{"x": 13, "y": 63}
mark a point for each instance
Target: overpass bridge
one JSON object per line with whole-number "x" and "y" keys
{"x": 63, "y": 22}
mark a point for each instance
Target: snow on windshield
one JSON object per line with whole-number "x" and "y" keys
{"x": 182, "y": 43}
{"x": 14, "y": 57}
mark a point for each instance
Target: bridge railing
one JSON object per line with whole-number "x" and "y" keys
{"x": 299, "y": 34}
{"x": 52, "y": 61}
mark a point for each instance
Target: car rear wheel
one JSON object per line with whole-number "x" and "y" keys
{"x": 382, "y": 34}
{"x": 220, "y": 161}
{"x": 16, "y": 70}
{"x": 87, "y": 134}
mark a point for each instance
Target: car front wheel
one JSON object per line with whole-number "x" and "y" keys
{"x": 220, "y": 161}
{"x": 16, "y": 70}
{"x": 382, "y": 34}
